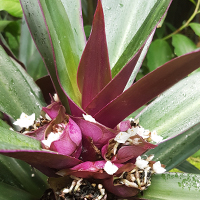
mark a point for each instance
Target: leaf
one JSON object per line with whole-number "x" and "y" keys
{"x": 14, "y": 98}
{"x": 3, "y": 24}
{"x": 94, "y": 68}
{"x": 128, "y": 24}
{"x": 29, "y": 150}
{"x": 68, "y": 40}
{"x": 173, "y": 186}
{"x": 37, "y": 26}
{"x": 174, "y": 151}
{"x": 12, "y": 140}
{"x": 116, "y": 85}
{"x": 158, "y": 54}
{"x": 21, "y": 175}
{"x": 182, "y": 44}
{"x": 12, "y": 7}
{"x": 147, "y": 88}
{"x": 187, "y": 167}
{"x": 176, "y": 110}
{"x": 8, "y": 192}
{"x": 195, "y": 27}
{"x": 29, "y": 54}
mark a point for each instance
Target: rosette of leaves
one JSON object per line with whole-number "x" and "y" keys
{"x": 97, "y": 78}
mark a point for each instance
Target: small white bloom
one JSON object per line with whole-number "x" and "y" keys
{"x": 47, "y": 117}
{"x": 158, "y": 169}
{"x": 140, "y": 163}
{"x": 56, "y": 98}
{"x": 110, "y": 168}
{"x": 122, "y": 137}
{"x": 142, "y": 132}
{"x": 155, "y": 137}
{"x": 25, "y": 121}
{"x": 132, "y": 131}
{"x": 51, "y": 138}
{"x": 89, "y": 118}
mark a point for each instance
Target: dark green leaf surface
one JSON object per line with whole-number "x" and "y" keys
{"x": 12, "y": 7}
{"x": 18, "y": 91}
{"x": 196, "y": 28}
{"x": 21, "y": 175}
{"x": 187, "y": 167}
{"x": 176, "y": 110}
{"x": 158, "y": 54}
{"x": 8, "y": 192}
{"x": 3, "y": 24}
{"x": 68, "y": 41}
{"x": 173, "y": 186}
{"x": 128, "y": 24}
{"x": 182, "y": 44}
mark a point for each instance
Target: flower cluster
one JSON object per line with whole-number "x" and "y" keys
{"x": 101, "y": 153}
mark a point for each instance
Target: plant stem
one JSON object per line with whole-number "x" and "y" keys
{"x": 196, "y": 11}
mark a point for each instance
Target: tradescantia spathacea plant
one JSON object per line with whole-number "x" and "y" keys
{"x": 82, "y": 139}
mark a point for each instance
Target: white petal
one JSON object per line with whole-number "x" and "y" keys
{"x": 110, "y": 168}
{"x": 25, "y": 121}
{"x": 51, "y": 138}
{"x": 89, "y": 118}
{"x": 140, "y": 163}
{"x": 56, "y": 98}
{"x": 132, "y": 131}
{"x": 156, "y": 138}
{"x": 158, "y": 169}
{"x": 122, "y": 137}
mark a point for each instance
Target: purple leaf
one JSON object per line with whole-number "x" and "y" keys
{"x": 119, "y": 190}
{"x": 116, "y": 85}
{"x": 97, "y": 132}
{"x": 148, "y": 88}
{"x": 94, "y": 68}
{"x": 43, "y": 159}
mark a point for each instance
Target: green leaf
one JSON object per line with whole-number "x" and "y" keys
{"x": 12, "y": 7}
{"x": 158, "y": 54}
{"x": 16, "y": 141}
{"x": 176, "y": 110}
{"x": 18, "y": 91}
{"x": 187, "y": 167}
{"x": 68, "y": 38}
{"x": 3, "y": 24}
{"x": 197, "y": 154}
{"x": 4, "y": 124}
{"x": 21, "y": 175}
{"x": 29, "y": 54}
{"x": 173, "y": 186}
{"x": 128, "y": 24}
{"x": 182, "y": 44}
{"x": 8, "y": 192}
{"x": 173, "y": 152}
{"x": 41, "y": 38}
{"x": 196, "y": 28}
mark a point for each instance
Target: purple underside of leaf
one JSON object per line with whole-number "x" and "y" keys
{"x": 97, "y": 132}
{"x": 43, "y": 159}
{"x": 148, "y": 88}
{"x": 94, "y": 68}
{"x": 114, "y": 88}
{"x": 119, "y": 190}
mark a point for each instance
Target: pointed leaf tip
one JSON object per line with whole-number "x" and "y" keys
{"x": 94, "y": 68}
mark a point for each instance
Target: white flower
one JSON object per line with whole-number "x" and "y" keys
{"x": 51, "y": 138}
{"x": 158, "y": 169}
{"x": 25, "y": 121}
{"x": 110, "y": 168}
{"x": 132, "y": 131}
{"x": 122, "y": 137}
{"x": 56, "y": 98}
{"x": 156, "y": 138}
{"x": 140, "y": 163}
{"x": 89, "y": 118}
{"x": 142, "y": 132}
